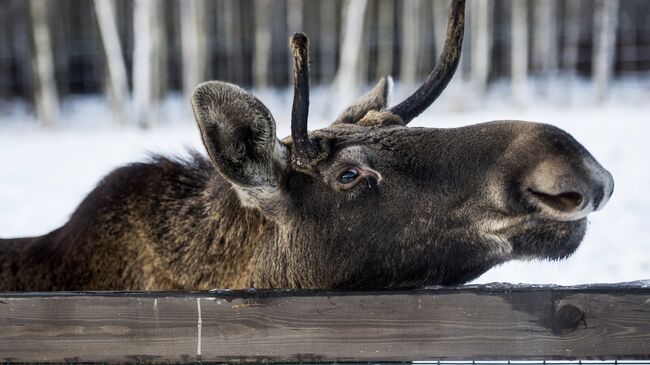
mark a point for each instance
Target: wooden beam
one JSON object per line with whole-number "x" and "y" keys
{"x": 494, "y": 322}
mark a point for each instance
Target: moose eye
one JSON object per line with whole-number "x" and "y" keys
{"x": 349, "y": 176}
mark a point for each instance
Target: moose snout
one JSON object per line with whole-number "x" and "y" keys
{"x": 561, "y": 191}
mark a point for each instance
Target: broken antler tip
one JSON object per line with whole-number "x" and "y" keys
{"x": 299, "y": 40}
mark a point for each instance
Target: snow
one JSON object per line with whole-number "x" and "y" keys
{"x": 44, "y": 174}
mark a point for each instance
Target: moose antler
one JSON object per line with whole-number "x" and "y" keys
{"x": 445, "y": 67}
{"x": 304, "y": 149}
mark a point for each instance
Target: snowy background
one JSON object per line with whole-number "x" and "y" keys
{"x": 44, "y": 174}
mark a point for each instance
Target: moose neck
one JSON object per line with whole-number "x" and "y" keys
{"x": 215, "y": 239}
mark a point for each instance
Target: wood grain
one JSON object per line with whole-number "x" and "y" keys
{"x": 474, "y": 323}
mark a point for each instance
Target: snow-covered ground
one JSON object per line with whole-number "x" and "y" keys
{"x": 44, "y": 174}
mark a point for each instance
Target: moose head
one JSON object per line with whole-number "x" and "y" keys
{"x": 371, "y": 202}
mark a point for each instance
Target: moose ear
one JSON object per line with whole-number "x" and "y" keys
{"x": 238, "y": 132}
{"x": 376, "y": 99}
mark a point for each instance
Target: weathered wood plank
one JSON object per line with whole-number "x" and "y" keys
{"x": 486, "y": 323}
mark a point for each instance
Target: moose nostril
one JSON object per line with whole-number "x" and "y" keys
{"x": 564, "y": 202}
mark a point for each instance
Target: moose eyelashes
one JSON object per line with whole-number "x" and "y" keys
{"x": 352, "y": 176}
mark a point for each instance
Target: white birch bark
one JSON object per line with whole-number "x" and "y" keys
{"x": 46, "y": 95}
{"x": 545, "y": 36}
{"x": 294, "y": 25}
{"x": 143, "y": 62}
{"x": 364, "y": 55}
{"x": 159, "y": 49}
{"x": 385, "y": 30}
{"x": 193, "y": 43}
{"x": 117, "y": 74}
{"x": 519, "y": 50}
{"x": 410, "y": 41}
{"x": 347, "y": 80}
{"x": 604, "y": 52}
{"x": 571, "y": 36}
{"x": 262, "y": 53}
{"x": 440, "y": 14}
{"x": 294, "y": 16}
{"x": 481, "y": 43}
{"x": 328, "y": 32}
{"x": 229, "y": 20}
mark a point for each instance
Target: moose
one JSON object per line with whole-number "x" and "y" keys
{"x": 367, "y": 202}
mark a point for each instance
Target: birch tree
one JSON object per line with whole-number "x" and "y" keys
{"x": 327, "y": 35}
{"x": 294, "y": 25}
{"x": 481, "y": 43}
{"x": 363, "y": 67}
{"x": 545, "y": 36}
{"x": 117, "y": 75}
{"x": 228, "y": 28}
{"x": 410, "y": 41}
{"x": 262, "y": 54}
{"x": 571, "y": 36}
{"x": 46, "y": 96}
{"x": 519, "y": 50}
{"x": 604, "y": 51}
{"x": 193, "y": 43}
{"x": 440, "y": 11}
{"x": 385, "y": 32}
{"x": 143, "y": 61}
{"x": 347, "y": 80}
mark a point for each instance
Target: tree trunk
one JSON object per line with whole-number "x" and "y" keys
{"x": 328, "y": 32}
{"x": 385, "y": 34}
{"x": 571, "y": 36}
{"x": 262, "y": 54}
{"x": 143, "y": 61}
{"x": 229, "y": 19}
{"x": 363, "y": 67}
{"x": 545, "y": 36}
{"x": 347, "y": 80}
{"x": 519, "y": 50}
{"x": 410, "y": 41}
{"x": 604, "y": 52}
{"x": 119, "y": 88}
{"x": 294, "y": 25}
{"x": 193, "y": 43}
{"x": 440, "y": 12}
{"x": 481, "y": 43}
{"x": 159, "y": 47}
{"x": 46, "y": 96}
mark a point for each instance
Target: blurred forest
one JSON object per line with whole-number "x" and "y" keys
{"x": 136, "y": 52}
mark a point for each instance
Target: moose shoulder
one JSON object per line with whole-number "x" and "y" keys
{"x": 365, "y": 203}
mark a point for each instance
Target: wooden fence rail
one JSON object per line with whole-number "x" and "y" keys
{"x": 491, "y": 322}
